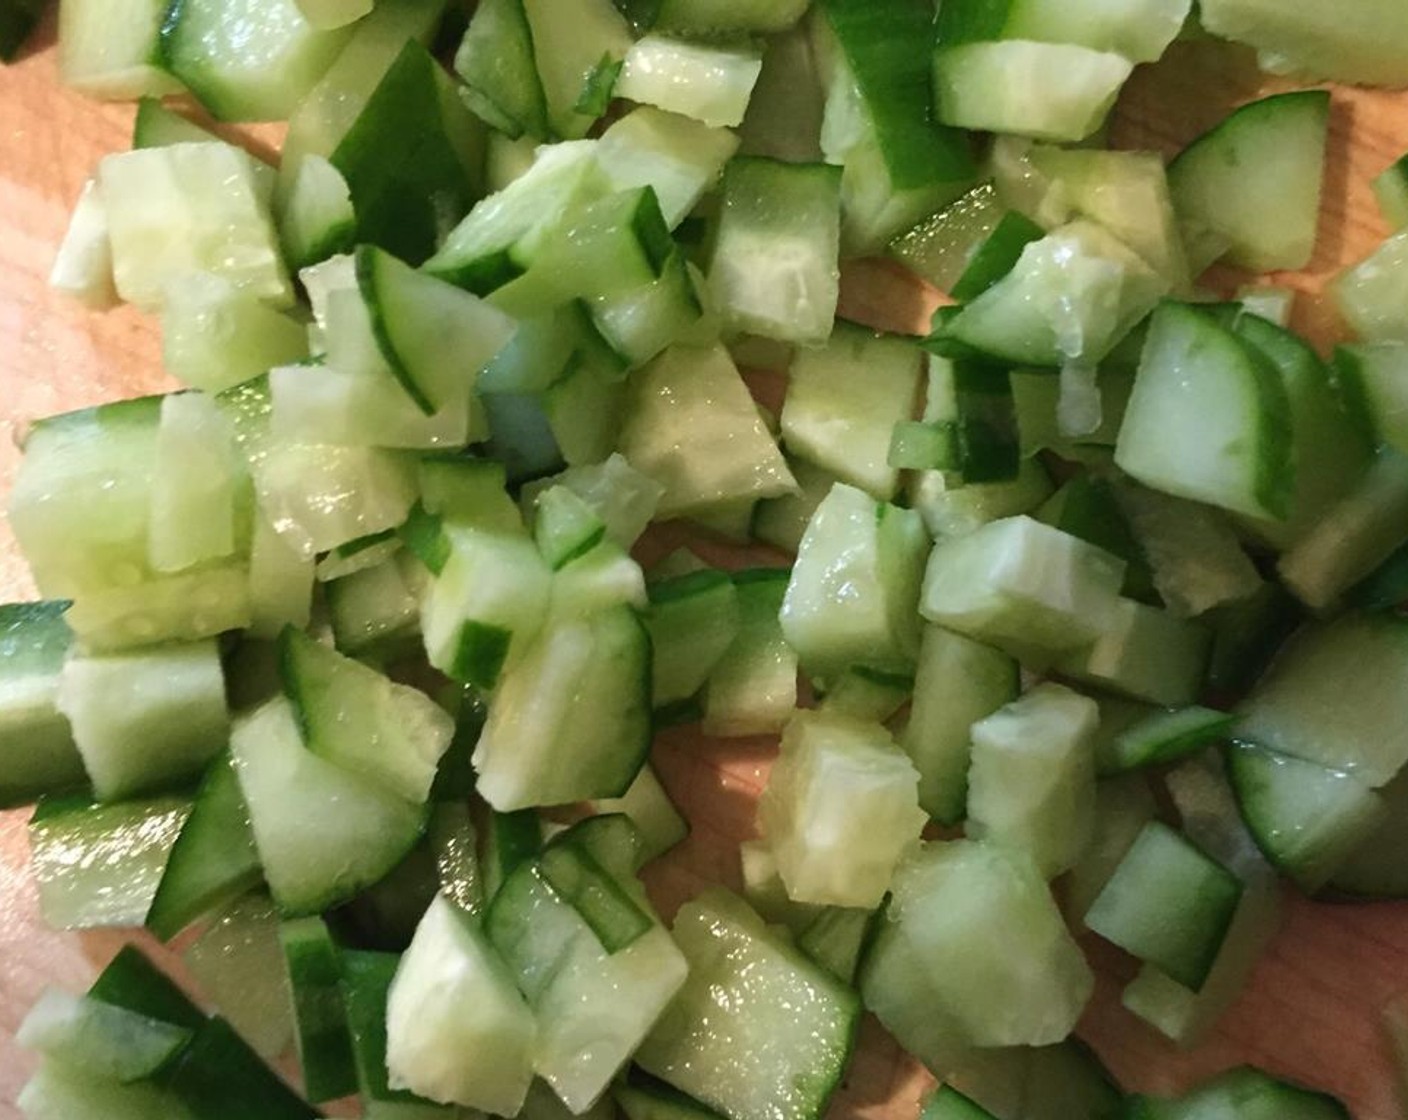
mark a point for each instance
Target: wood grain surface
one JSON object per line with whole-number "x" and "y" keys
{"x": 1312, "y": 1008}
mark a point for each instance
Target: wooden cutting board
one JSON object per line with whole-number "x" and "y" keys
{"x": 1312, "y": 1008}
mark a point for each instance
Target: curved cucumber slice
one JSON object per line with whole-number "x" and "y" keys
{"x": 323, "y": 833}
{"x": 1255, "y": 180}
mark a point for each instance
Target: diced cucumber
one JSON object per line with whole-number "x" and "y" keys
{"x": 972, "y": 951}
{"x": 854, "y": 589}
{"x": 247, "y": 61}
{"x": 1145, "y": 653}
{"x": 1371, "y": 293}
{"x": 358, "y": 556}
{"x": 570, "y": 720}
{"x": 1048, "y": 91}
{"x": 767, "y": 893}
{"x": 774, "y": 270}
{"x": 280, "y": 583}
{"x": 844, "y": 400}
{"x": 1209, "y": 418}
{"x": 572, "y": 53}
{"x": 495, "y": 59}
{"x": 1031, "y": 781}
{"x": 593, "y": 1008}
{"x": 388, "y": 733}
{"x": 320, "y": 1016}
{"x": 869, "y": 694}
{"x": 839, "y": 810}
{"x": 238, "y": 963}
{"x": 691, "y": 425}
{"x": 1061, "y": 1082}
{"x": 457, "y": 1030}
{"x": 709, "y": 82}
{"x": 1142, "y": 737}
{"x": 147, "y": 719}
{"x": 198, "y": 493}
{"x": 565, "y": 528}
{"x": 941, "y": 248}
{"x": 114, "y": 51}
{"x": 37, "y": 752}
{"x": 328, "y": 14}
{"x": 83, "y": 265}
{"x": 1123, "y": 806}
{"x": 1086, "y": 507}
{"x": 412, "y": 158}
{"x": 757, "y": 1030}
{"x": 323, "y": 833}
{"x": 1307, "y": 819}
{"x": 1168, "y": 904}
{"x": 1364, "y": 43}
{"x": 1376, "y": 868}
{"x": 58, "y": 1092}
{"x": 1329, "y": 698}
{"x": 947, "y": 1103}
{"x": 1391, "y": 190}
{"x": 1241, "y": 1094}
{"x": 658, "y": 823}
{"x": 1374, "y": 380}
{"x": 693, "y": 621}
{"x": 642, "y": 1097}
{"x": 313, "y": 205}
{"x": 753, "y": 688}
{"x": 1071, "y": 297}
{"x": 189, "y": 208}
{"x": 784, "y": 115}
{"x": 1022, "y": 586}
{"x": 99, "y": 865}
{"x": 1255, "y": 180}
{"x": 214, "y": 860}
{"x": 106, "y": 1042}
{"x": 488, "y": 601}
{"x": 1141, "y": 31}
{"x": 709, "y": 17}
{"x": 955, "y": 511}
{"x": 680, "y": 157}
{"x": 215, "y": 335}
{"x": 156, "y": 126}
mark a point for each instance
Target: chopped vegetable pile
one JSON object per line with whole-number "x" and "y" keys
{"x": 1077, "y": 617}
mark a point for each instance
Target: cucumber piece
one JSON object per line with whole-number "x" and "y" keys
{"x": 782, "y": 522}
{"x": 198, "y": 502}
{"x": 679, "y": 157}
{"x": 327, "y": 15}
{"x": 147, "y": 719}
{"x": 1154, "y": 738}
{"x": 1307, "y": 819}
{"x": 572, "y": 55}
{"x": 457, "y": 1031}
{"x": 972, "y": 951}
{"x": 957, "y": 683}
{"x": 565, "y": 528}
{"x": 1376, "y": 868}
{"x": 570, "y": 720}
{"x": 1192, "y": 371}
{"x": 1241, "y": 1094}
{"x": 389, "y": 734}
{"x": 854, "y": 589}
{"x": 83, "y": 265}
{"x": 994, "y": 257}
{"x": 1168, "y": 904}
{"x": 376, "y": 611}
{"x": 868, "y": 694}
{"x": 993, "y": 87}
{"x": 578, "y": 991}
{"x": 1042, "y": 1083}
{"x": 1364, "y": 44}
{"x": 710, "y": 83}
{"x": 156, "y": 126}
{"x": 693, "y": 621}
{"x": 844, "y": 400}
{"x": 757, "y": 1030}
{"x": 753, "y": 688}
{"x": 190, "y": 208}
{"x": 826, "y": 856}
{"x": 1031, "y": 779}
{"x": 1371, "y": 377}
{"x": 316, "y": 219}
{"x": 114, "y": 52}
{"x": 691, "y": 425}
{"x": 132, "y": 982}
{"x": 1255, "y": 180}
{"x": 238, "y": 964}
{"x": 57, "y": 1092}
{"x": 767, "y": 894}
{"x": 1071, "y": 297}
{"x": 710, "y": 17}
{"x": 1324, "y": 700}
{"x": 774, "y": 269}
{"x": 1123, "y": 806}
{"x": 37, "y": 752}
{"x": 1146, "y": 654}
{"x": 488, "y": 602}
{"x": 1024, "y": 587}
{"x": 1391, "y": 190}
{"x": 1141, "y": 31}
{"x": 642, "y": 1097}
{"x": 947, "y": 1103}
{"x": 320, "y": 1015}
{"x": 784, "y": 116}
{"x": 970, "y": 424}
{"x": 280, "y": 582}
{"x": 642, "y": 323}
{"x": 956, "y": 511}
{"x": 100, "y": 865}
{"x": 214, "y": 860}
{"x": 495, "y": 61}
{"x": 942, "y": 247}
{"x": 1086, "y": 507}
{"x": 412, "y": 158}
{"x": 357, "y": 556}
{"x": 247, "y": 62}
{"x": 835, "y": 939}
{"x": 323, "y": 833}
{"x": 658, "y": 822}
{"x": 216, "y": 335}
{"x": 107, "y": 1043}
{"x": 1370, "y": 294}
